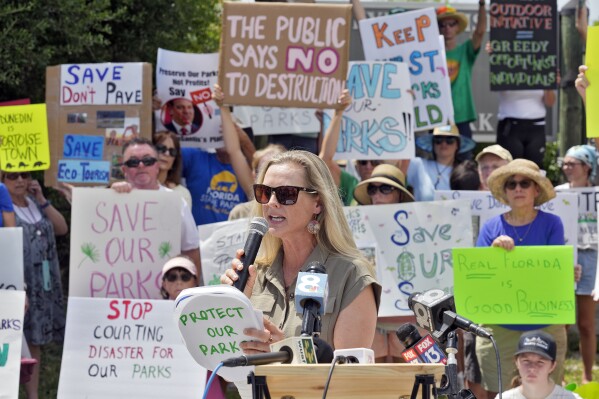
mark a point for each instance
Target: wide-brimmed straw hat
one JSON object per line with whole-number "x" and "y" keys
{"x": 425, "y": 143}
{"x": 525, "y": 168}
{"x": 447, "y": 12}
{"x": 383, "y": 174}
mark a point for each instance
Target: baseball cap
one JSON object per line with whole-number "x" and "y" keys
{"x": 180, "y": 261}
{"x": 497, "y": 150}
{"x": 537, "y": 342}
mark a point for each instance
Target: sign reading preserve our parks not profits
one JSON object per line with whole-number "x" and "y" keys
{"x": 284, "y": 55}
{"x": 523, "y": 44}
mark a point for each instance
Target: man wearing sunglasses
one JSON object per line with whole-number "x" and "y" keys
{"x": 140, "y": 168}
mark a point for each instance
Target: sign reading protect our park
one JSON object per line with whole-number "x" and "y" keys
{"x": 284, "y": 55}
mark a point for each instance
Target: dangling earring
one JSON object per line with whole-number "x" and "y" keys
{"x": 313, "y": 226}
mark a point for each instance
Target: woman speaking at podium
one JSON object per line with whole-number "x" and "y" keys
{"x": 297, "y": 196}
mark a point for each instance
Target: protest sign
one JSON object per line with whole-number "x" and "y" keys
{"x": 121, "y": 348}
{"x": 379, "y": 124}
{"x": 284, "y": 55}
{"x": 24, "y": 138}
{"x": 588, "y": 197}
{"x": 119, "y": 242}
{"x": 413, "y": 37}
{"x": 411, "y": 246}
{"x": 183, "y": 85}
{"x": 523, "y": 44}
{"x": 218, "y": 244}
{"x": 11, "y": 248}
{"x": 93, "y": 109}
{"x": 274, "y": 120}
{"x": 592, "y": 93}
{"x": 12, "y": 309}
{"x": 211, "y": 321}
{"x": 508, "y": 275}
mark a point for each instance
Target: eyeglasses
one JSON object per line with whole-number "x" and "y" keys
{"x": 16, "y": 175}
{"x": 134, "y": 162}
{"x": 369, "y": 161}
{"x": 385, "y": 189}
{"x": 512, "y": 184}
{"x": 286, "y": 195}
{"x": 162, "y": 149}
{"x": 570, "y": 164}
{"x": 445, "y": 24}
{"x": 447, "y": 140}
{"x": 173, "y": 276}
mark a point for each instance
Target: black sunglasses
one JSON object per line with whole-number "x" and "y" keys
{"x": 446, "y": 139}
{"x": 162, "y": 149}
{"x": 134, "y": 162}
{"x": 447, "y": 23}
{"x": 369, "y": 161}
{"x": 383, "y": 188}
{"x": 512, "y": 184}
{"x": 286, "y": 195}
{"x": 173, "y": 276}
{"x": 16, "y": 175}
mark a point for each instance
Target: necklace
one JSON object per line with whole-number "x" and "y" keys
{"x": 440, "y": 173}
{"x": 520, "y": 239}
{"x": 31, "y": 221}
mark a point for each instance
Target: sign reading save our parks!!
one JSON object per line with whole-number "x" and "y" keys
{"x": 24, "y": 138}
{"x": 284, "y": 55}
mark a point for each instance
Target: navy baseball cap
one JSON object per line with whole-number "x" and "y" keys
{"x": 537, "y": 342}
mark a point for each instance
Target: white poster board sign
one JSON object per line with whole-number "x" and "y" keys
{"x": 411, "y": 246}
{"x": 379, "y": 124}
{"x": 121, "y": 348}
{"x": 274, "y": 120}
{"x": 413, "y": 37}
{"x": 119, "y": 242}
{"x": 12, "y": 310}
{"x": 101, "y": 84}
{"x": 11, "y": 248}
{"x": 184, "y": 84}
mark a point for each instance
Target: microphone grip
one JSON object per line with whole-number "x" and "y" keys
{"x": 242, "y": 274}
{"x": 250, "y": 251}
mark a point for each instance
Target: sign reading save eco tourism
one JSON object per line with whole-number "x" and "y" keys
{"x": 284, "y": 55}
{"x": 523, "y": 44}
{"x": 119, "y": 242}
{"x": 24, "y": 142}
{"x": 122, "y": 348}
{"x": 508, "y": 275}
{"x": 12, "y": 308}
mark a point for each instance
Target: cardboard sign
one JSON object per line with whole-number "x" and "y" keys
{"x": 183, "y": 84}
{"x": 524, "y": 44}
{"x": 411, "y": 246}
{"x": 93, "y": 109}
{"x": 508, "y": 276}
{"x": 119, "y": 242}
{"x": 121, "y": 348}
{"x": 12, "y": 310}
{"x": 24, "y": 138}
{"x": 218, "y": 244}
{"x": 11, "y": 248}
{"x": 592, "y": 93}
{"x": 284, "y": 55}
{"x": 413, "y": 37}
{"x": 379, "y": 124}
{"x": 211, "y": 321}
{"x": 274, "y": 120}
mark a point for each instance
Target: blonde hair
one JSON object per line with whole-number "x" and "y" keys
{"x": 335, "y": 234}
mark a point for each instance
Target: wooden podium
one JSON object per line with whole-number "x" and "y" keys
{"x": 383, "y": 380}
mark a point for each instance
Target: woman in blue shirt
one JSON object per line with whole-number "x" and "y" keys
{"x": 6, "y": 208}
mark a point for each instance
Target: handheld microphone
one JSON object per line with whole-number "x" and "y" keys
{"x": 419, "y": 349}
{"x": 258, "y": 227}
{"x": 311, "y": 291}
{"x": 295, "y": 350}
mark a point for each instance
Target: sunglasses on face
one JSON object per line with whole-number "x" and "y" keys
{"x": 383, "y": 188}
{"x": 512, "y": 184}
{"x": 445, "y": 24}
{"x": 16, "y": 175}
{"x": 446, "y": 140}
{"x": 286, "y": 195}
{"x": 184, "y": 276}
{"x": 162, "y": 149}
{"x": 134, "y": 162}
{"x": 368, "y": 161}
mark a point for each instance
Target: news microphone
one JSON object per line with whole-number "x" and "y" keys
{"x": 295, "y": 350}
{"x": 324, "y": 351}
{"x": 435, "y": 312}
{"x": 419, "y": 349}
{"x": 311, "y": 291}
{"x": 258, "y": 227}
{"x": 355, "y": 355}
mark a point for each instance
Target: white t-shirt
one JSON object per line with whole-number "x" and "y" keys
{"x": 521, "y": 104}
{"x": 557, "y": 393}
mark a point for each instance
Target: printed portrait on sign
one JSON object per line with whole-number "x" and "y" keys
{"x": 181, "y": 116}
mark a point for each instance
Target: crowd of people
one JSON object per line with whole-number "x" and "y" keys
{"x": 301, "y": 192}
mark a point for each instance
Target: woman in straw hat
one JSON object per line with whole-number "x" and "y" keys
{"x": 579, "y": 166}
{"x": 428, "y": 175}
{"x": 521, "y": 186}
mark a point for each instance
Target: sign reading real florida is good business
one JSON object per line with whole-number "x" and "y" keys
{"x": 284, "y": 55}
{"x": 523, "y": 44}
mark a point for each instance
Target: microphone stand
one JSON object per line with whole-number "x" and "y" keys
{"x": 450, "y": 388}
